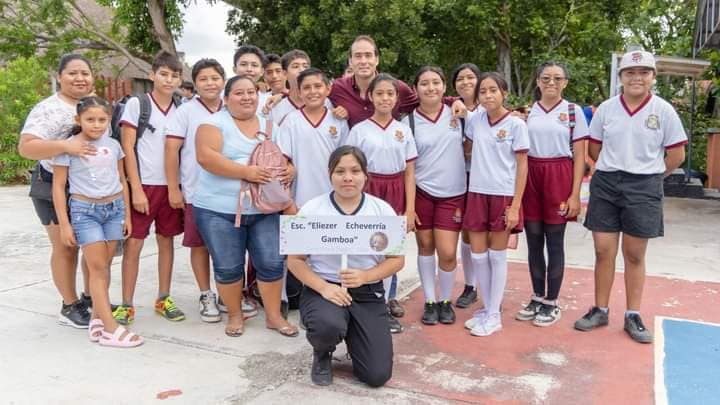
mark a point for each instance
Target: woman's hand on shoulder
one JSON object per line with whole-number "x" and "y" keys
{"x": 336, "y": 294}
{"x": 77, "y": 147}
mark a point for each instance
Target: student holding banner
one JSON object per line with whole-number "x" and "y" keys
{"x": 347, "y": 304}
{"x": 440, "y": 193}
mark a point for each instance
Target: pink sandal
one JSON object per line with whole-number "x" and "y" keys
{"x": 95, "y": 329}
{"x": 116, "y": 339}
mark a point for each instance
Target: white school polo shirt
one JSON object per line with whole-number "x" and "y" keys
{"x": 280, "y": 111}
{"x": 549, "y": 130}
{"x": 635, "y": 141}
{"x": 440, "y": 166}
{"x": 494, "y": 147}
{"x": 387, "y": 149}
{"x": 328, "y": 266}
{"x": 183, "y": 125}
{"x": 151, "y": 146}
{"x": 309, "y": 146}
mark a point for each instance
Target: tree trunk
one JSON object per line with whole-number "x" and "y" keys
{"x": 504, "y": 64}
{"x": 156, "y": 8}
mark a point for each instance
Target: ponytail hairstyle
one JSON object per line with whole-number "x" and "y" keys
{"x": 85, "y": 104}
{"x": 537, "y": 94}
{"x": 69, "y": 57}
{"x": 383, "y": 77}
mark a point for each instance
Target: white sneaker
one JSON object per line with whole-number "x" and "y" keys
{"x": 249, "y": 308}
{"x": 209, "y": 311}
{"x": 491, "y": 325}
{"x": 479, "y": 317}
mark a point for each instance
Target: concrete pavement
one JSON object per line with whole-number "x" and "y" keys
{"x": 192, "y": 362}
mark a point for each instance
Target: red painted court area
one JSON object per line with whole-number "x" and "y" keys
{"x": 525, "y": 364}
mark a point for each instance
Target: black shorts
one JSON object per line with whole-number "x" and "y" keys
{"x": 627, "y": 203}
{"x": 41, "y": 195}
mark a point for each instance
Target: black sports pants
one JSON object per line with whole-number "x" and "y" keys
{"x": 363, "y": 325}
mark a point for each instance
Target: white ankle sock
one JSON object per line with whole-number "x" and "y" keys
{"x": 447, "y": 280}
{"x": 468, "y": 268}
{"x": 426, "y": 268}
{"x": 481, "y": 268}
{"x": 498, "y": 263}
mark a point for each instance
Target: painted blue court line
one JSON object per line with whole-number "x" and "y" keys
{"x": 687, "y": 362}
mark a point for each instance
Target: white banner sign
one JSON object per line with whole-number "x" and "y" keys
{"x": 342, "y": 235}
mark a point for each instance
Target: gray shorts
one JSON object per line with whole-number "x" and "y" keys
{"x": 627, "y": 203}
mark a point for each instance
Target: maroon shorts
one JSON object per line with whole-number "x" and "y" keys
{"x": 439, "y": 213}
{"x": 486, "y": 213}
{"x": 168, "y": 221}
{"x": 191, "y": 236}
{"x": 389, "y": 187}
{"x": 549, "y": 183}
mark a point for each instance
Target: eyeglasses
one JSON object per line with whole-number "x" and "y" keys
{"x": 548, "y": 79}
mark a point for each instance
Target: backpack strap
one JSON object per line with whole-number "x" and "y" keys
{"x": 462, "y": 127}
{"x": 411, "y": 121}
{"x": 571, "y": 119}
{"x": 144, "y": 119}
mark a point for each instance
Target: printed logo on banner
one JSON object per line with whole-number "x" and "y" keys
{"x": 652, "y": 121}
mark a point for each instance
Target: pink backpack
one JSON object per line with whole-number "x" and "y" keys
{"x": 271, "y": 197}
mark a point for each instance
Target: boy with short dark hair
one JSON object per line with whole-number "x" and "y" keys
{"x": 274, "y": 75}
{"x": 144, "y": 165}
{"x": 293, "y": 63}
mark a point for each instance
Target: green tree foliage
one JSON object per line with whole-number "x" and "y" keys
{"x": 23, "y": 83}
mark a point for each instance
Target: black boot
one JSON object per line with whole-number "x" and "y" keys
{"x": 321, "y": 373}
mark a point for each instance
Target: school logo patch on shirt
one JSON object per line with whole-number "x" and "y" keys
{"x": 652, "y": 121}
{"x": 501, "y": 135}
{"x": 333, "y": 131}
{"x": 562, "y": 117}
{"x": 399, "y": 136}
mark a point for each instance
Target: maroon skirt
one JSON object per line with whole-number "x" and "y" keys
{"x": 389, "y": 187}
{"x": 549, "y": 185}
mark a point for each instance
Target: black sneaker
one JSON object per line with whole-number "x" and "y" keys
{"x": 86, "y": 300}
{"x": 394, "y": 324}
{"x": 467, "y": 298}
{"x": 75, "y": 315}
{"x": 447, "y": 315}
{"x": 321, "y": 373}
{"x": 594, "y": 318}
{"x": 636, "y": 329}
{"x": 530, "y": 311}
{"x": 548, "y": 315}
{"x": 431, "y": 315}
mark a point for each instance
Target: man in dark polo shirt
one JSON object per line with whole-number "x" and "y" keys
{"x": 350, "y": 92}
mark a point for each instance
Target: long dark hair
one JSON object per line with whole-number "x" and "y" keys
{"x": 496, "y": 77}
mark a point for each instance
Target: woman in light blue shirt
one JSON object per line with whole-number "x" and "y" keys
{"x": 224, "y": 145}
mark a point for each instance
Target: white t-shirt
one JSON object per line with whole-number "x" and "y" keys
{"x": 387, "y": 149}
{"x": 51, "y": 119}
{"x": 440, "y": 166}
{"x": 280, "y": 111}
{"x": 309, "y": 147}
{"x": 151, "y": 145}
{"x": 183, "y": 125}
{"x": 494, "y": 147}
{"x": 549, "y": 130}
{"x": 94, "y": 176}
{"x": 328, "y": 266}
{"x": 635, "y": 142}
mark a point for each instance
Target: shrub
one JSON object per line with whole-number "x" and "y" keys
{"x": 23, "y": 83}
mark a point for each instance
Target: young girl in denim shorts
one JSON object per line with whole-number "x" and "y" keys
{"x": 98, "y": 209}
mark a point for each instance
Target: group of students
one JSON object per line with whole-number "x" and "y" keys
{"x": 462, "y": 169}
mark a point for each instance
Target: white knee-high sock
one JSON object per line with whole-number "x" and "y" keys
{"x": 447, "y": 280}
{"x": 426, "y": 268}
{"x": 468, "y": 268}
{"x": 498, "y": 263}
{"x": 481, "y": 265}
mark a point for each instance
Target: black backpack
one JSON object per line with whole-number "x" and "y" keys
{"x": 143, "y": 119}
